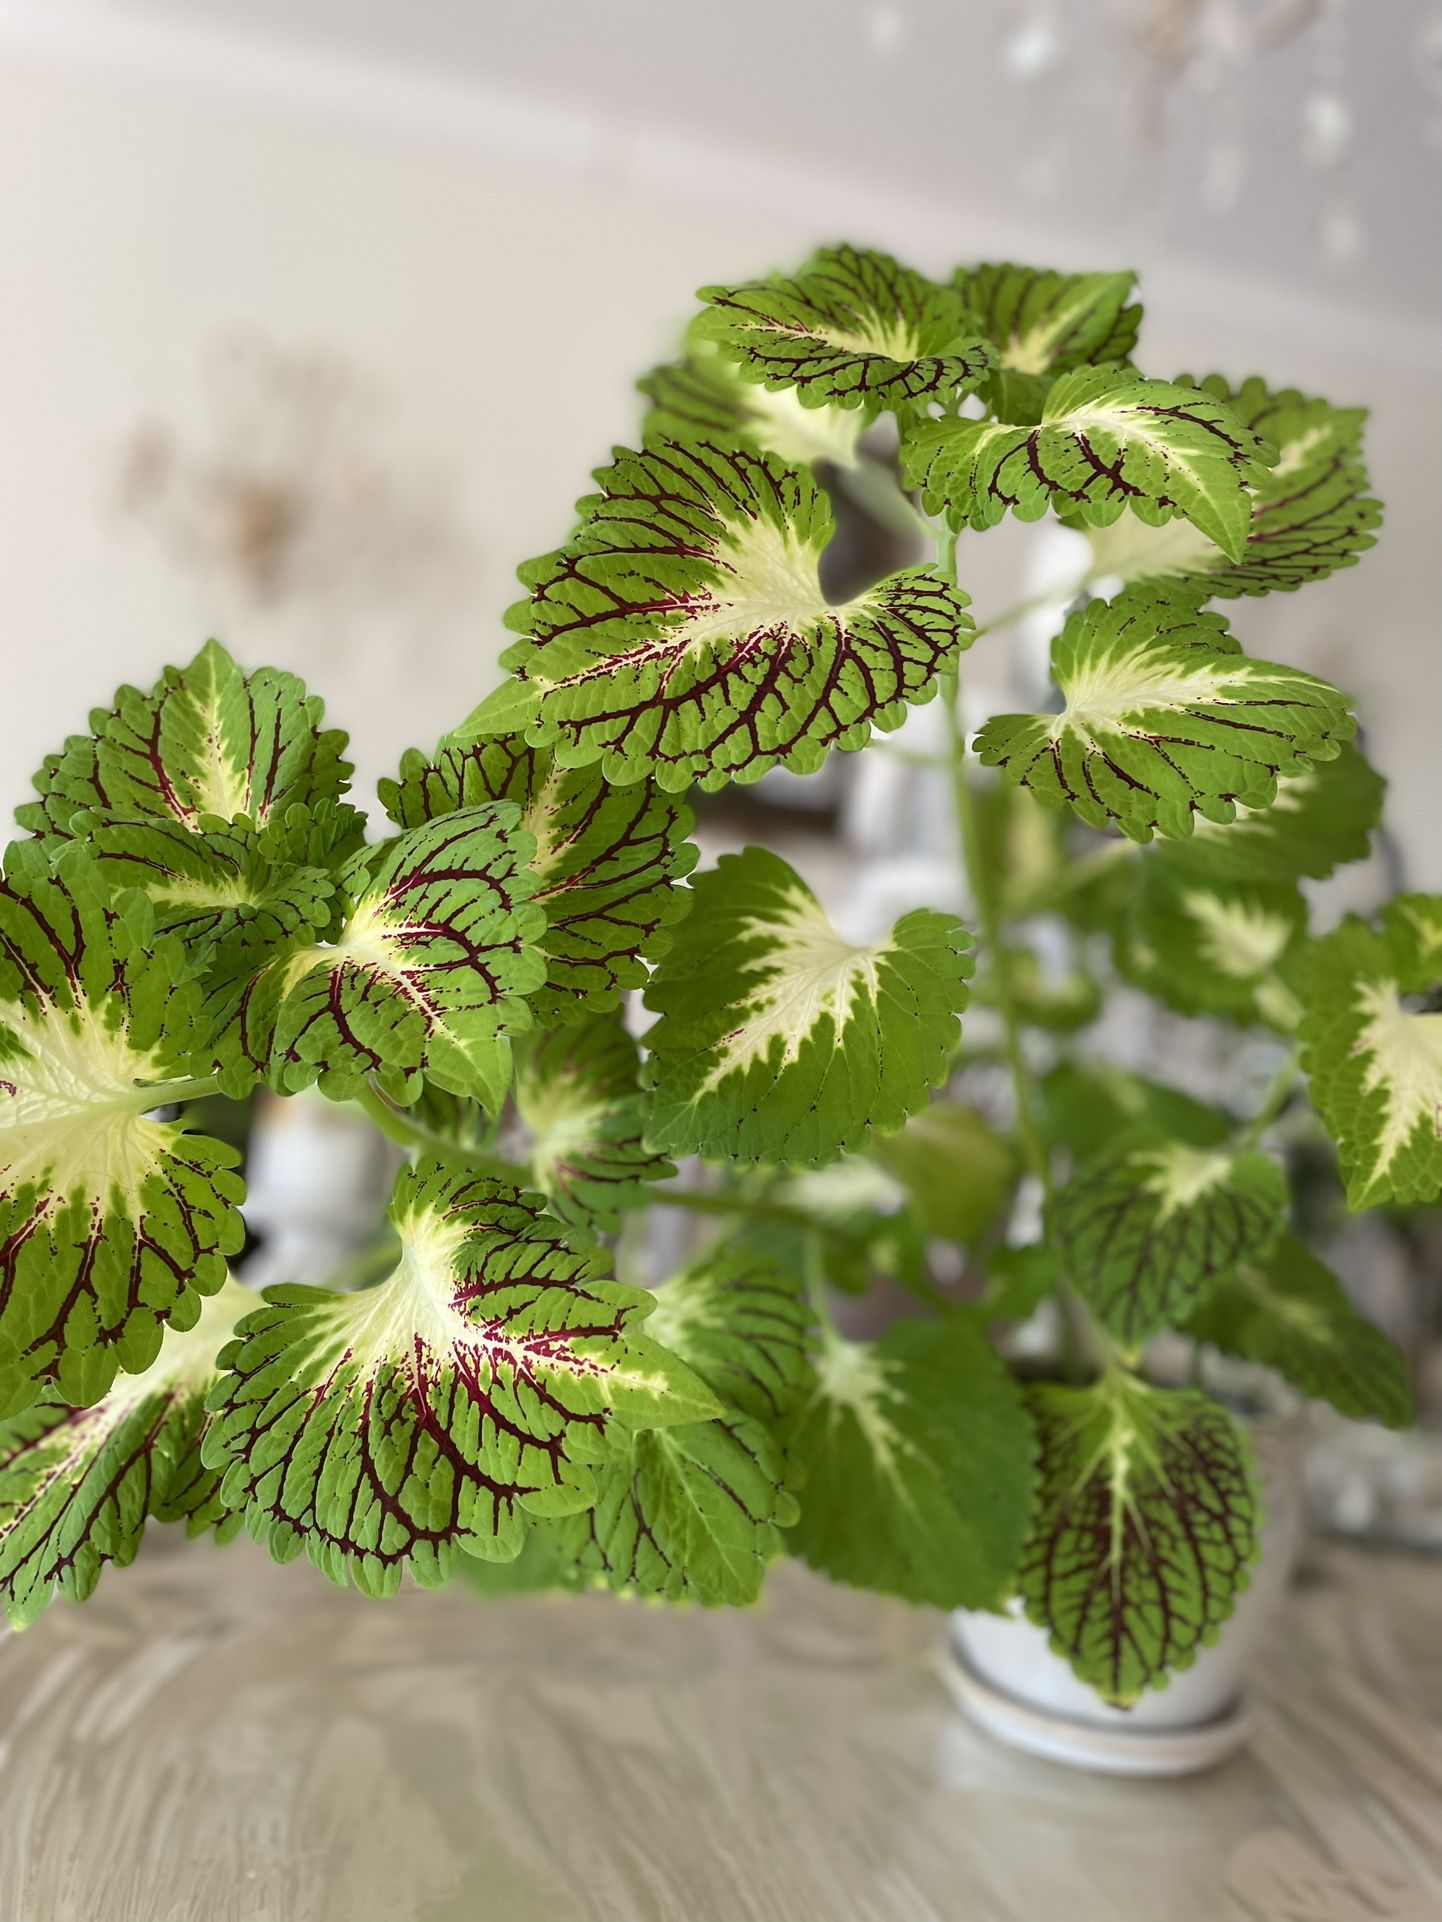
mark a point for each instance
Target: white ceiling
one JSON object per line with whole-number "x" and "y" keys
{"x": 922, "y": 98}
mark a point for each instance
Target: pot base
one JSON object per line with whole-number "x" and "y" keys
{"x": 1083, "y": 1745}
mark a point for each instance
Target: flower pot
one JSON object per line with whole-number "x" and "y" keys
{"x": 1005, "y": 1676}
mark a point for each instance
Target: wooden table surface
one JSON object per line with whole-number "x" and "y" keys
{"x": 214, "y": 1739}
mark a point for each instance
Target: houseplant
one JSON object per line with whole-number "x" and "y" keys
{"x": 196, "y": 910}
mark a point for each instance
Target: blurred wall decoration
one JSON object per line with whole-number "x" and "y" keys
{"x": 284, "y": 492}
{"x": 494, "y": 220}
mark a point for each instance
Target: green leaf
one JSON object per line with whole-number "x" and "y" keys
{"x": 1291, "y": 1313}
{"x": 1319, "y": 822}
{"x": 208, "y": 742}
{"x": 216, "y": 891}
{"x": 111, "y": 1223}
{"x": 1164, "y": 719}
{"x": 606, "y": 864}
{"x": 1311, "y": 513}
{"x": 1041, "y": 995}
{"x": 959, "y": 1172}
{"x": 1146, "y": 1525}
{"x": 1018, "y": 1281}
{"x": 578, "y": 1096}
{"x": 76, "y": 1484}
{"x": 1206, "y": 946}
{"x": 466, "y": 1396}
{"x": 1374, "y": 1055}
{"x": 745, "y": 1327}
{"x": 779, "y": 1041}
{"x": 1145, "y": 1231}
{"x": 1084, "y": 1104}
{"x": 440, "y": 940}
{"x": 1108, "y": 440}
{"x": 1043, "y": 324}
{"x": 693, "y": 1513}
{"x": 917, "y": 1458}
{"x": 855, "y": 1211}
{"x": 703, "y": 398}
{"x": 682, "y": 633}
{"x": 853, "y": 327}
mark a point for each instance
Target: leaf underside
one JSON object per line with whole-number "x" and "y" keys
{"x": 1292, "y": 1314}
{"x": 1145, "y": 1230}
{"x": 1146, "y": 1526}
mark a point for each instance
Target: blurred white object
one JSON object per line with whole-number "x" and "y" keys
{"x": 318, "y": 1176}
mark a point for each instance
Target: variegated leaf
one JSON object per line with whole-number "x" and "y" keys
{"x": 682, "y": 634}
{"x": 1318, "y": 822}
{"x": 854, "y": 327}
{"x": 1145, "y": 1230}
{"x": 578, "y": 1098}
{"x": 702, "y": 397}
{"x": 1165, "y": 719}
{"x": 1043, "y": 324}
{"x": 1085, "y": 1104}
{"x": 1372, "y": 1046}
{"x": 694, "y": 1513}
{"x": 1291, "y": 1313}
{"x": 208, "y": 742}
{"x": 448, "y": 1408}
{"x": 1311, "y": 513}
{"x": 1146, "y": 1528}
{"x": 426, "y": 977}
{"x": 1206, "y": 946}
{"x": 77, "y": 1484}
{"x": 916, "y": 1458}
{"x": 111, "y": 1223}
{"x": 233, "y": 906}
{"x": 1107, "y": 441}
{"x": 746, "y": 1328}
{"x": 606, "y": 864}
{"x": 780, "y": 1041}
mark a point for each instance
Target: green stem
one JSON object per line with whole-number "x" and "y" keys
{"x": 1009, "y": 616}
{"x": 1277, "y": 1094}
{"x": 416, "y": 1138}
{"x": 873, "y": 485}
{"x": 1080, "y": 1333}
{"x": 779, "y": 1211}
{"x": 167, "y": 1094}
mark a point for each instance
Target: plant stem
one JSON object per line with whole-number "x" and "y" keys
{"x": 1080, "y": 1333}
{"x": 1275, "y": 1098}
{"x": 414, "y": 1136}
{"x": 167, "y": 1094}
{"x": 988, "y": 915}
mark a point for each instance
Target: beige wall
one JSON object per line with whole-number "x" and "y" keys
{"x": 502, "y": 300}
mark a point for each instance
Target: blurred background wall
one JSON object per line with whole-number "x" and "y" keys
{"x": 316, "y": 316}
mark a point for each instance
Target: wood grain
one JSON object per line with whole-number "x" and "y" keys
{"x": 214, "y": 1739}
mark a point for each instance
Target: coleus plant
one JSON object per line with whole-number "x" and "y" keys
{"x": 198, "y": 910}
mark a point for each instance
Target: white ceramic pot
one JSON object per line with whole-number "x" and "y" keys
{"x": 1006, "y": 1678}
